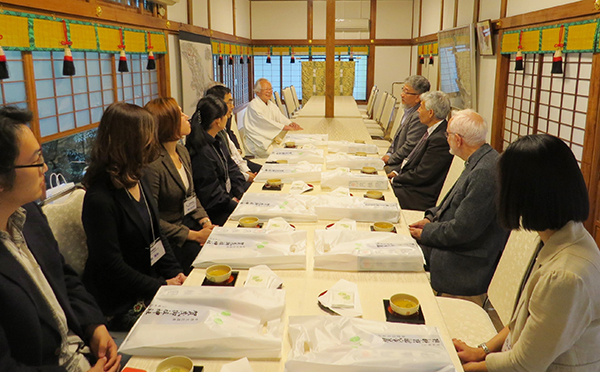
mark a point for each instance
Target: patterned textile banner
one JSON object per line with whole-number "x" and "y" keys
{"x": 313, "y": 79}
{"x": 23, "y": 31}
{"x": 428, "y": 49}
{"x": 574, "y": 37}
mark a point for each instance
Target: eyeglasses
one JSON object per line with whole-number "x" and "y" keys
{"x": 405, "y": 91}
{"x": 40, "y": 163}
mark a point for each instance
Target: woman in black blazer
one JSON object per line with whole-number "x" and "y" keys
{"x": 217, "y": 179}
{"x": 129, "y": 258}
{"x": 182, "y": 218}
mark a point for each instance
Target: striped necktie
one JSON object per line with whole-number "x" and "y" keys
{"x": 417, "y": 148}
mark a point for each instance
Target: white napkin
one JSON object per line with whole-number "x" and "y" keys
{"x": 343, "y": 224}
{"x": 279, "y": 223}
{"x": 241, "y": 365}
{"x": 262, "y": 276}
{"x": 340, "y": 291}
{"x": 308, "y": 146}
{"x": 340, "y": 191}
{"x": 299, "y": 186}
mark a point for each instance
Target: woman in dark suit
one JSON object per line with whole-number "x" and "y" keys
{"x": 217, "y": 179}
{"x": 129, "y": 258}
{"x": 45, "y": 307}
{"x": 182, "y": 218}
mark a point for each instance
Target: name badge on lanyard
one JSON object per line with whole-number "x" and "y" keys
{"x": 228, "y": 185}
{"x": 157, "y": 250}
{"x": 189, "y": 205}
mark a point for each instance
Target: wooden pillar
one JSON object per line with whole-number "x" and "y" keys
{"x": 330, "y": 59}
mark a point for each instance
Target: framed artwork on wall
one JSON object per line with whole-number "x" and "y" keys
{"x": 484, "y": 38}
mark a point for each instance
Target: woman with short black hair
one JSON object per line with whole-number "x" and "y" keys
{"x": 217, "y": 179}
{"x": 129, "y": 258}
{"x": 556, "y": 323}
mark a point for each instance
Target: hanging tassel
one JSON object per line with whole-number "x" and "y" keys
{"x": 123, "y": 62}
{"x": 230, "y": 60}
{"x": 3, "y": 65}
{"x": 241, "y": 60}
{"x": 293, "y": 59}
{"x": 248, "y": 59}
{"x": 557, "y": 58}
{"x": 269, "y": 58}
{"x": 68, "y": 65}
{"x": 431, "y": 59}
{"x": 151, "y": 61}
{"x": 421, "y": 60}
{"x": 351, "y": 59}
{"x": 557, "y": 62}
{"x": 122, "y": 56}
{"x": 519, "y": 61}
{"x": 220, "y": 61}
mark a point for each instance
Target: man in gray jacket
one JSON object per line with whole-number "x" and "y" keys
{"x": 461, "y": 239}
{"x": 411, "y": 129}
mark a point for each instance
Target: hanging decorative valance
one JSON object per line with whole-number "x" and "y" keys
{"x": 428, "y": 49}
{"x": 29, "y": 32}
{"x": 575, "y": 37}
{"x": 300, "y": 50}
{"x": 220, "y": 47}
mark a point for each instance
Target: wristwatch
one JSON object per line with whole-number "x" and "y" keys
{"x": 486, "y": 350}
{"x": 205, "y": 222}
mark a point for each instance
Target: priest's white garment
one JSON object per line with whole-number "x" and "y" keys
{"x": 262, "y": 123}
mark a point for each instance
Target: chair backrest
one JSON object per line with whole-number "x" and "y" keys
{"x": 241, "y": 115}
{"x": 376, "y": 97}
{"x": 388, "y": 112}
{"x": 280, "y": 105}
{"x": 391, "y": 134}
{"x": 289, "y": 100}
{"x": 379, "y": 105}
{"x": 295, "y": 96}
{"x": 456, "y": 168}
{"x": 371, "y": 99}
{"x": 64, "y": 218}
{"x": 512, "y": 267}
{"x": 236, "y": 131}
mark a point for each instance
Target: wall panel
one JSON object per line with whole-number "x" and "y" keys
{"x": 279, "y": 20}
{"x": 242, "y": 18}
{"x": 175, "y": 69}
{"x": 516, "y": 7}
{"x": 391, "y": 64}
{"x": 178, "y": 12}
{"x": 394, "y": 20}
{"x": 489, "y": 9}
{"x": 200, "y": 11}
{"x": 431, "y": 16}
{"x": 449, "y": 14}
{"x": 221, "y": 16}
{"x": 465, "y": 12}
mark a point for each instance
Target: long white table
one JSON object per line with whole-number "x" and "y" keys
{"x": 344, "y": 106}
{"x": 304, "y": 286}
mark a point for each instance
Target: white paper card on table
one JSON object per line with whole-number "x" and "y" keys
{"x": 342, "y": 178}
{"x": 351, "y": 147}
{"x": 294, "y": 156}
{"x": 210, "y": 322}
{"x": 303, "y": 139}
{"x": 342, "y": 159}
{"x": 336, "y": 296}
{"x": 242, "y": 248}
{"x": 343, "y": 224}
{"x": 299, "y": 187}
{"x": 333, "y": 344}
{"x": 303, "y": 171}
{"x": 241, "y": 365}
{"x": 299, "y": 208}
{"x": 263, "y": 277}
{"x": 366, "y": 251}
{"x": 357, "y": 208}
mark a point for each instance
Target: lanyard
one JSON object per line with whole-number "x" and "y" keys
{"x": 143, "y": 195}
{"x": 222, "y": 159}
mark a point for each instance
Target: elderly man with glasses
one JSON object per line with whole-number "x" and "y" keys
{"x": 421, "y": 174}
{"x": 461, "y": 238}
{"x": 263, "y": 120}
{"x": 411, "y": 129}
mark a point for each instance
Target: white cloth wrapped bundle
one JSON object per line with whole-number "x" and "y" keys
{"x": 242, "y": 248}
{"x": 341, "y": 344}
{"x": 294, "y": 156}
{"x": 210, "y": 322}
{"x": 303, "y": 171}
{"x": 358, "y": 208}
{"x": 351, "y": 147}
{"x": 366, "y": 251}
{"x": 305, "y": 139}
{"x": 342, "y": 177}
{"x": 265, "y": 206}
{"x": 342, "y": 159}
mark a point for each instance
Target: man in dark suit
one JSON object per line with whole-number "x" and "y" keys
{"x": 461, "y": 238}
{"x": 46, "y": 312}
{"x": 411, "y": 129}
{"x": 418, "y": 180}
